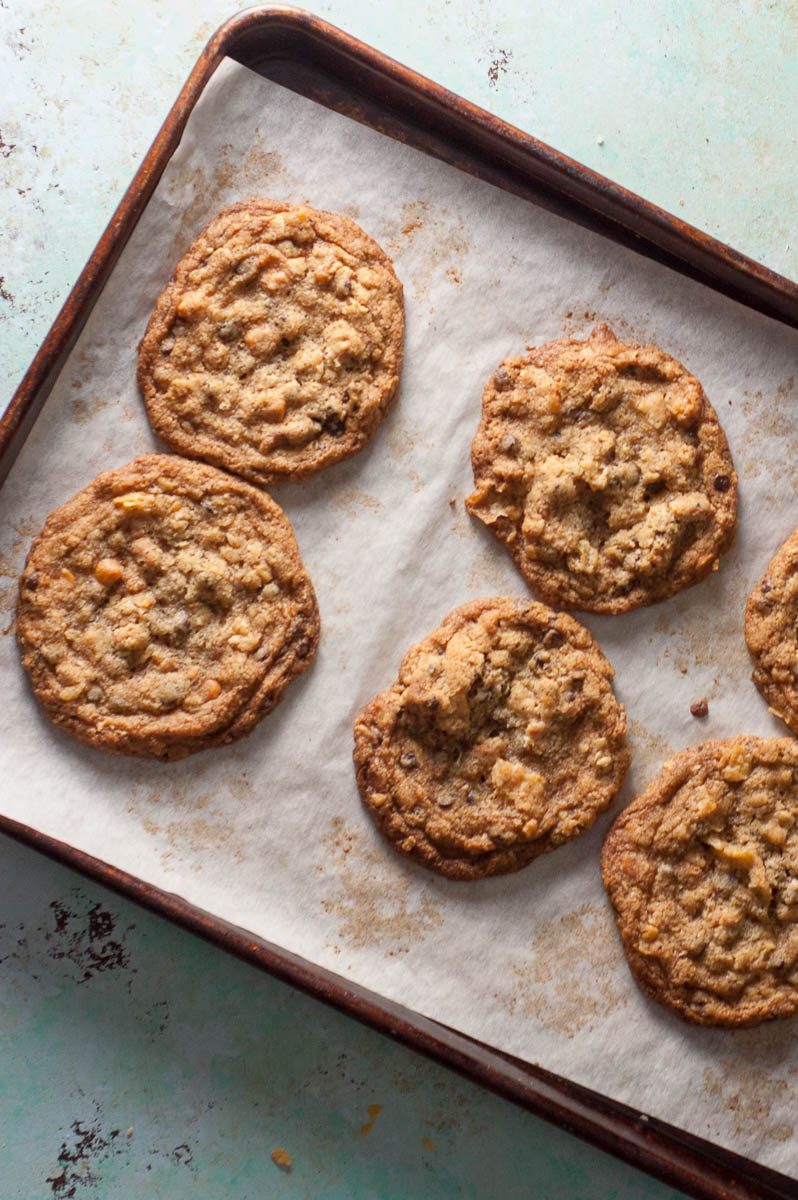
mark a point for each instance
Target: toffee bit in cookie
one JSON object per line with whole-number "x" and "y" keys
{"x": 603, "y": 468}
{"x": 489, "y": 749}
{"x": 700, "y": 708}
{"x": 178, "y": 574}
{"x": 108, "y": 571}
{"x": 277, "y": 347}
{"x": 701, "y": 871}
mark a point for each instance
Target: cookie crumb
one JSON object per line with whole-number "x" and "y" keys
{"x": 428, "y": 1144}
{"x": 129, "y": 1132}
{"x": 282, "y": 1159}
{"x": 452, "y": 501}
{"x": 700, "y": 708}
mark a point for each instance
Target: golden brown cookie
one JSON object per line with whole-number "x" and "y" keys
{"x": 771, "y": 631}
{"x": 604, "y": 470}
{"x": 702, "y": 870}
{"x": 276, "y": 349}
{"x": 164, "y": 608}
{"x": 500, "y": 740}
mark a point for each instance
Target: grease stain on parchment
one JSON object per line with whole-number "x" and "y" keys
{"x": 571, "y": 979}
{"x": 372, "y": 903}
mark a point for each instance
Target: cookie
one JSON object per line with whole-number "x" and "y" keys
{"x": 603, "y": 469}
{"x": 771, "y": 631}
{"x": 276, "y": 348}
{"x": 164, "y": 608}
{"x": 702, "y": 870}
{"x": 500, "y": 740}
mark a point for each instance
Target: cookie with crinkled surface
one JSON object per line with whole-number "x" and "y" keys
{"x": 164, "y": 609}
{"x": 276, "y": 348}
{"x": 771, "y": 631}
{"x": 501, "y": 740}
{"x": 702, "y": 871}
{"x": 604, "y": 470}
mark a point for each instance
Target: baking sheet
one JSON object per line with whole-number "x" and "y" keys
{"x": 269, "y": 834}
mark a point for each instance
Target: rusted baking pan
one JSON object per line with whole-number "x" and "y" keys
{"x": 311, "y": 57}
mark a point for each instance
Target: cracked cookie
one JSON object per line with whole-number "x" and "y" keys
{"x": 604, "y": 470}
{"x": 702, "y": 871}
{"x": 771, "y": 631}
{"x": 500, "y": 740}
{"x": 164, "y": 608}
{"x": 276, "y": 348}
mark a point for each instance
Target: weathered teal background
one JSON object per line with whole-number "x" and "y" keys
{"x": 134, "y": 1059}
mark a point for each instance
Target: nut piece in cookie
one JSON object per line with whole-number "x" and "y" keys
{"x": 702, "y": 871}
{"x": 277, "y": 347}
{"x": 771, "y": 631}
{"x": 500, "y": 740}
{"x": 164, "y": 609}
{"x": 603, "y": 468}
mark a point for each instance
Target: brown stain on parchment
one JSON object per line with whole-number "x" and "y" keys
{"x": 12, "y": 560}
{"x": 461, "y": 525}
{"x": 484, "y": 568}
{"x": 371, "y": 902}
{"x": 85, "y": 408}
{"x": 11, "y": 563}
{"x": 772, "y": 417}
{"x": 350, "y": 500}
{"x": 649, "y": 750}
{"x": 704, "y": 628}
{"x": 571, "y": 978}
{"x": 401, "y": 441}
{"x": 443, "y": 238}
{"x": 578, "y": 322}
{"x": 189, "y": 824}
{"x": 231, "y": 179}
{"x": 747, "y": 1094}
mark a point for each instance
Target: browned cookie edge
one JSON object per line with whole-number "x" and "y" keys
{"x": 368, "y": 727}
{"x": 151, "y": 743}
{"x": 227, "y": 457}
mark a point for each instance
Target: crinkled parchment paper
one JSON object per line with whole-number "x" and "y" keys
{"x": 269, "y": 834}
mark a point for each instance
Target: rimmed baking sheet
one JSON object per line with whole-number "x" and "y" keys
{"x": 269, "y": 834}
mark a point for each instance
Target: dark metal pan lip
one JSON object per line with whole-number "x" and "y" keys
{"x": 474, "y": 140}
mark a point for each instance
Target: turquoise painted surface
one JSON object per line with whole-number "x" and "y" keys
{"x": 139, "y": 1061}
{"x": 110, "y": 1020}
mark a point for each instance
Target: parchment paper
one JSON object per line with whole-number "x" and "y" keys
{"x": 269, "y": 834}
